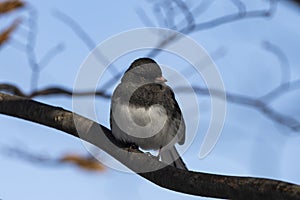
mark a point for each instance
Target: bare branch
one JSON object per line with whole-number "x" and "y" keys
{"x": 30, "y": 46}
{"x": 87, "y": 162}
{"x": 235, "y": 17}
{"x": 258, "y": 104}
{"x": 195, "y": 183}
{"x": 281, "y": 90}
{"x": 240, "y": 5}
{"x": 12, "y": 89}
{"x": 45, "y": 60}
{"x": 159, "y": 15}
{"x": 254, "y": 103}
{"x": 189, "y": 18}
{"x": 145, "y": 19}
{"x": 29, "y": 28}
{"x": 202, "y": 7}
{"x": 284, "y": 63}
{"x": 88, "y": 41}
{"x": 241, "y": 15}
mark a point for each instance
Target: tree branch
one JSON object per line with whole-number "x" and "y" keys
{"x": 194, "y": 183}
{"x": 12, "y": 89}
{"x": 260, "y": 104}
{"x": 187, "y": 27}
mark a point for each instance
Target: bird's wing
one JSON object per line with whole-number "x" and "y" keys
{"x": 171, "y": 157}
{"x": 177, "y": 116}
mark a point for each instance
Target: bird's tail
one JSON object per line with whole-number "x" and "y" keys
{"x": 171, "y": 156}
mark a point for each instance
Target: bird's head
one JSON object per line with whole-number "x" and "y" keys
{"x": 144, "y": 70}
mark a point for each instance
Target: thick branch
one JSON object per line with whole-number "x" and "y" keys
{"x": 195, "y": 183}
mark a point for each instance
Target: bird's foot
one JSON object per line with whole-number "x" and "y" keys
{"x": 132, "y": 148}
{"x": 151, "y": 155}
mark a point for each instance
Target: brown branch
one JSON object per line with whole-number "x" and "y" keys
{"x": 189, "y": 182}
{"x": 12, "y": 89}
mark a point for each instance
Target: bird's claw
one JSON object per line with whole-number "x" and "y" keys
{"x": 132, "y": 148}
{"x": 149, "y": 154}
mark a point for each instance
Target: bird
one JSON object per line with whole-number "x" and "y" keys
{"x": 144, "y": 112}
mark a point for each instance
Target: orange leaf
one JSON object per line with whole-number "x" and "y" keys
{"x": 88, "y": 163}
{"x": 4, "y": 35}
{"x": 9, "y": 5}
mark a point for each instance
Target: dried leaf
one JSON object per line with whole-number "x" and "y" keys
{"x": 88, "y": 163}
{"x": 10, "y": 5}
{"x": 4, "y": 35}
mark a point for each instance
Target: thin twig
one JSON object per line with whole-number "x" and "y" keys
{"x": 284, "y": 62}
{"x": 50, "y": 54}
{"x": 254, "y": 103}
{"x": 215, "y": 23}
{"x": 87, "y": 40}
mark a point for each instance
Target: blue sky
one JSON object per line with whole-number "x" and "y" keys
{"x": 250, "y": 143}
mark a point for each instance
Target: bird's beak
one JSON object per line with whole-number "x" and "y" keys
{"x": 160, "y": 79}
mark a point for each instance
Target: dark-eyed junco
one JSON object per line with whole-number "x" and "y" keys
{"x": 145, "y": 113}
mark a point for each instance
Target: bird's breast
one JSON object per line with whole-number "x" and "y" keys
{"x": 139, "y": 122}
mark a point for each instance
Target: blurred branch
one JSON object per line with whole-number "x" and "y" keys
{"x": 50, "y": 54}
{"x": 88, "y": 163}
{"x": 188, "y": 27}
{"x": 255, "y": 103}
{"x": 92, "y": 46}
{"x": 242, "y": 14}
{"x": 28, "y": 45}
{"x": 284, "y": 63}
{"x": 80, "y": 32}
{"x": 30, "y": 157}
{"x": 195, "y": 183}
{"x": 281, "y": 90}
{"x": 261, "y": 103}
{"x": 12, "y": 89}
{"x": 202, "y": 7}
{"x": 87, "y": 40}
{"x": 189, "y": 17}
{"x": 240, "y": 5}
{"x": 258, "y": 104}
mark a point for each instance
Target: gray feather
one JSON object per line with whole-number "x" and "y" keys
{"x": 171, "y": 157}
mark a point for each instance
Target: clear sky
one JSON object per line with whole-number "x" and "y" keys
{"x": 250, "y": 144}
